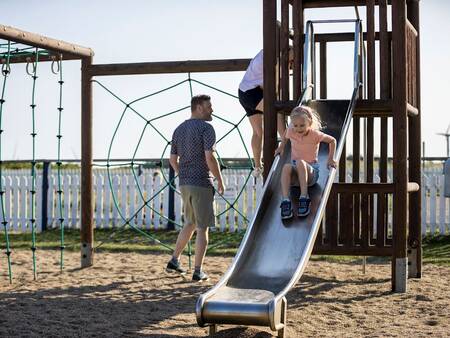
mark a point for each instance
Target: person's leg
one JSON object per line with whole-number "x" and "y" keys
{"x": 202, "y": 203}
{"x": 305, "y": 172}
{"x": 286, "y": 204}
{"x": 201, "y": 243}
{"x": 256, "y": 121}
{"x": 183, "y": 237}
{"x": 286, "y": 180}
{"x": 302, "y": 172}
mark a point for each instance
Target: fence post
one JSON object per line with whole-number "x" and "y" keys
{"x": 45, "y": 173}
{"x": 172, "y": 187}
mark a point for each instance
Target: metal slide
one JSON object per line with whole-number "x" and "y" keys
{"x": 274, "y": 253}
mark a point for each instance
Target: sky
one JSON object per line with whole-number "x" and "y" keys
{"x": 145, "y": 31}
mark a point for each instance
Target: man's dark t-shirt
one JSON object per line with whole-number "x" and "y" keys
{"x": 190, "y": 141}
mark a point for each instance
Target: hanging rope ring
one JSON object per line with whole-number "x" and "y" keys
{"x": 33, "y": 65}
{"x": 55, "y": 65}
{"x": 6, "y": 68}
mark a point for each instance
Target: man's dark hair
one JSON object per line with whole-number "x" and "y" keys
{"x": 199, "y": 99}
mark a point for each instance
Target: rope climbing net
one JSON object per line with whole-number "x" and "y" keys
{"x": 169, "y": 180}
{"x": 8, "y": 52}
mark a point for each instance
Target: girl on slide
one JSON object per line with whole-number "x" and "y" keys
{"x": 305, "y": 136}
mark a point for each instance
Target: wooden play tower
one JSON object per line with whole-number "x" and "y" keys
{"x": 357, "y": 215}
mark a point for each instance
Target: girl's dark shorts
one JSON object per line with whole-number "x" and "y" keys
{"x": 250, "y": 99}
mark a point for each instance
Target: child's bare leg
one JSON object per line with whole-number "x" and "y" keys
{"x": 286, "y": 180}
{"x": 302, "y": 171}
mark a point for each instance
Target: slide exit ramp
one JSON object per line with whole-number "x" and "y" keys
{"x": 274, "y": 253}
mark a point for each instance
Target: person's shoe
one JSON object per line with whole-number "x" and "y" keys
{"x": 257, "y": 172}
{"x": 286, "y": 210}
{"x": 303, "y": 206}
{"x": 200, "y": 276}
{"x": 172, "y": 267}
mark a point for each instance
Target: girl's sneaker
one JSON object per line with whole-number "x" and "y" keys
{"x": 286, "y": 209}
{"x": 304, "y": 204}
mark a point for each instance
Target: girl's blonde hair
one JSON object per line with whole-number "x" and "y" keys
{"x": 312, "y": 116}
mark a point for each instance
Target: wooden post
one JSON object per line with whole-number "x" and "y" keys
{"x": 87, "y": 230}
{"x": 400, "y": 136}
{"x": 270, "y": 114}
{"x": 415, "y": 199}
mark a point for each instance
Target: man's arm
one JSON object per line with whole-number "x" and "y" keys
{"x": 213, "y": 166}
{"x": 173, "y": 160}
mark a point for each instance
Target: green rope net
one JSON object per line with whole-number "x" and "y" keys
{"x": 5, "y": 72}
{"x": 8, "y": 51}
{"x": 168, "y": 182}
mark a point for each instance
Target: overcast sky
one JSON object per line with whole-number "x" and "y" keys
{"x": 137, "y": 31}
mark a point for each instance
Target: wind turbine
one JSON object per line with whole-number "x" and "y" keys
{"x": 447, "y": 136}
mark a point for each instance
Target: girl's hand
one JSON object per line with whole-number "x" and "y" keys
{"x": 332, "y": 163}
{"x": 279, "y": 151}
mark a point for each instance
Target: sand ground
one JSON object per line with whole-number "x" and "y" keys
{"x": 129, "y": 295}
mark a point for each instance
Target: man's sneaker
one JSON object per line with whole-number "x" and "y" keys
{"x": 172, "y": 267}
{"x": 286, "y": 210}
{"x": 200, "y": 276}
{"x": 303, "y": 206}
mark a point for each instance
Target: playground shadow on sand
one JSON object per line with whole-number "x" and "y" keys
{"x": 138, "y": 308}
{"x": 115, "y": 309}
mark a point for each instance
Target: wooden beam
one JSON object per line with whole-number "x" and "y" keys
{"x": 352, "y": 251}
{"x": 363, "y": 108}
{"x": 363, "y": 187}
{"x": 195, "y": 66}
{"x": 342, "y": 37}
{"x": 42, "y": 58}
{"x": 412, "y": 111}
{"x": 32, "y": 39}
{"x": 413, "y": 187}
{"x": 334, "y": 3}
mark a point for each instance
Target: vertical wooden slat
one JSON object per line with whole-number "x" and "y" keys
{"x": 400, "y": 146}
{"x": 370, "y": 12}
{"x": 323, "y": 70}
{"x": 331, "y": 220}
{"x": 297, "y": 22}
{"x": 415, "y": 198}
{"x": 347, "y": 218}
{"x": 284, "y": 50}
{"x": 270, "y": 115}
{"x": 385, "y": 93}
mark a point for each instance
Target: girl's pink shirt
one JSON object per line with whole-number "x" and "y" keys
{"x": 305, "y": 147}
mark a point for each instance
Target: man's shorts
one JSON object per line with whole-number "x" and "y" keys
{"x": 198, "y": 205}
{"x": 315, "y": 168}
{"x": 250, "y": 100}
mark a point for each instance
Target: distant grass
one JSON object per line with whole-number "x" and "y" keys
{"x": 436, "y": 249}
{"x": 122, "y": 241}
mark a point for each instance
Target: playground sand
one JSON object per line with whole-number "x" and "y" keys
{"x": 129, "y": 295}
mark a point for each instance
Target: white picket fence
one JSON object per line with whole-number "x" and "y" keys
{"x": 138, "y": 203}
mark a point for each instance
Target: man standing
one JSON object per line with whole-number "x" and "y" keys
{"x": 192, "y": 158}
